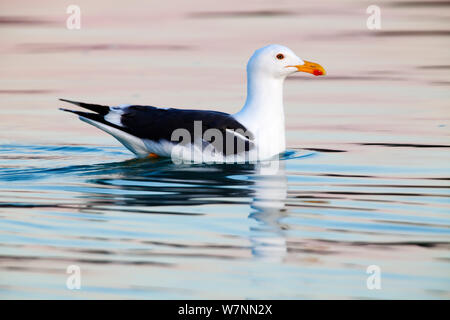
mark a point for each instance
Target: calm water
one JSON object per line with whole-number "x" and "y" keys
{"x": 138, "y": 229}
{"x": 365, "y": 181}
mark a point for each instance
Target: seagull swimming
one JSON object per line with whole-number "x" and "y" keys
{"x": 257, "y": 129}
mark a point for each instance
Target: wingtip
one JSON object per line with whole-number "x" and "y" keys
{"x": 70, "y": 101}
{"x": 66, "y": 110}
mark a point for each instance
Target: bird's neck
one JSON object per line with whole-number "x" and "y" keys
{"x": 263, "y": 112}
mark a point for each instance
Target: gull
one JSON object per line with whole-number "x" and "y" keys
{"x": 256, "y": 132}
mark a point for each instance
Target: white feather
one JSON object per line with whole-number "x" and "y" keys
{"x": 132, "y": 143}
{"x": 114, "y": 116}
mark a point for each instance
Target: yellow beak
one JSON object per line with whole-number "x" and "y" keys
{"x": 311, "y": 67}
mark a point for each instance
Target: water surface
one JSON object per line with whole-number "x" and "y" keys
{"x": 365, "y": 180}
{"x": 307, "y": 228}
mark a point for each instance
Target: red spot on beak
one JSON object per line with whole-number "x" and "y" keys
{"x": 317, "y": 72}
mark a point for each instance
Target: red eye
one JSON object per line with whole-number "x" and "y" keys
{"x": 280, "y": 56}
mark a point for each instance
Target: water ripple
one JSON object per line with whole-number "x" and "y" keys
{"x": 95, "y": 206}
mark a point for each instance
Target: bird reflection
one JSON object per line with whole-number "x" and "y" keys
{"x": 269, "y": 198}
{"x": 144, "y": 185}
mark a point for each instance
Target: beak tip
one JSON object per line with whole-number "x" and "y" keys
{"x": 318, "y": 72}
{"x": 311, "y": 67}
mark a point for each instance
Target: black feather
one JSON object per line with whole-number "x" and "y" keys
{"x": 158, "y": 124}
{"x": 103, "y": 110}
{"x": 93, "y": 116}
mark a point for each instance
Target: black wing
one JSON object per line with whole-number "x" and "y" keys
{"x": 158, "y": 124}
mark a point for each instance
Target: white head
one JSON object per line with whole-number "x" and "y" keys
{"x": 263, "y": 112}
{"x": 278, "y": 61}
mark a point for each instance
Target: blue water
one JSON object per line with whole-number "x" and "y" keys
{"x": 306, "y": 226}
